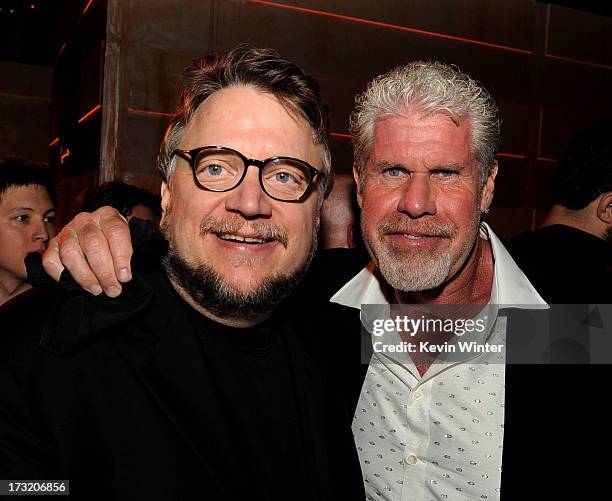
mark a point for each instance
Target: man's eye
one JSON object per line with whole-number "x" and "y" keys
{"x": 22, "y": 218}
{"x": 214, "y": 170}
{"x": 446, "y": 172}
{"x": 284, "y": 178}
{"x": 50, "y": 219}
{"x": 394, "y": 171}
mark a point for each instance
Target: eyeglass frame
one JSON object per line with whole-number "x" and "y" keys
{"x": 190, "y": 156}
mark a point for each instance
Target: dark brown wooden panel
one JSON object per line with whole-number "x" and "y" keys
{"x": 67, "y": 192}
{"x": 493, "y": 22}
{"x": 512, "y": 183}
{"x": 508, "y": 222}
{"x": 561, "y": 122}
{"x": 90, "y": 80}
{"x": 25, "y": 79}
{"x": 24, "y": 127}
{"x": 345, "y": 56}
{"x": 514, "y": 130}
{"x": 155, "y": 77}
{"x": 580, "y": 35}
{"x": 566, "y": 82}
{"x": 139, "y": 143}
{"x": 342, "y": 155}
{"x": 185, "y": 25}
{"x": 543, "y": 175}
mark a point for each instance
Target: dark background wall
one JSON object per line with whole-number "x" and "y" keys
{"x": 116, "y": 64}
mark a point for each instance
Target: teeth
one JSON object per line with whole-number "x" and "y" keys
{"x": 238, "y": 238}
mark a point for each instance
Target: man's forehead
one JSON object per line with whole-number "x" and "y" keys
{"x": 243, "y": 105}
{"x": 428, "y": 134}
{"x": 412, "y": 117}
{"x": 253, "y": 122}
{"x": 23, "y": 195}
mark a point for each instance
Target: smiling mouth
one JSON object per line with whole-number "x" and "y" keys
{"x": 228, "y": 237}
{"x": 414, "y": 236}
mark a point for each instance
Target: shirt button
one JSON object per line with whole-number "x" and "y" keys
{"x": 411, "y": 459}
{"x": 417, "y": 395}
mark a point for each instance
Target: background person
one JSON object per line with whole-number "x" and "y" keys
{"x": 27, "y": 220}
{"x": 340, "y": 216}
{"x": 131, "y": 201}
{"x": 569, "y": 258}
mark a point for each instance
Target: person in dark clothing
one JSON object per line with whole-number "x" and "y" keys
{"x": 131, "y": 201}
{"x": 198, "y": 383}
{"x": 569, "y": 258}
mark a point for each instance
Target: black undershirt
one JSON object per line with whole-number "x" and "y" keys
{"x": 256, "y": 393}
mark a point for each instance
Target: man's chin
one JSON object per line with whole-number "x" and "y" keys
{"x": 248, "y": 298}
{"x": 419, "y": 273}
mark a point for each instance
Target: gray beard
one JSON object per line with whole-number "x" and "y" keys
{"x": 415, "y": 271}
{"x": 208, "y": 289}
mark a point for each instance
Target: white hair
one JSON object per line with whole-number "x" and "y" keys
{"x": 431, "y": 87}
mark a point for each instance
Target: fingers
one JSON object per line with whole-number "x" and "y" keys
{"x": 96, "y": 249}
{"x": 51, "y": 260}
{"x": 72, "y": 256}
{"x": 117, "y": 234}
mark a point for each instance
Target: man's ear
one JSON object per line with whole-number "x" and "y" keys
{"x": 488, "y": 189}
{"x": 357, "y": 183}
{"x": 604, "y": 208}
{"x": 165, "y": 200}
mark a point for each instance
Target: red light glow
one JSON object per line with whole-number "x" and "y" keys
{"x": 65, "y": 155}
{"x": 511, "y": 155}
{"x": 91, "y": 112}
{"x": 338, "y": 134}
{"x": 87, "y": 7}
{"x": 149, "y": 113}
{"x": 62, "y": 48}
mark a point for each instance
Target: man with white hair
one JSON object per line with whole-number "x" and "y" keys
{"x": 426, "y": 138}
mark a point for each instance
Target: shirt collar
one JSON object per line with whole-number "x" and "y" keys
{"x": 510, "y": 285}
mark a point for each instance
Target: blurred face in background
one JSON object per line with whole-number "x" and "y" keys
{"x": 27, "y": 222}
{"x": 143, "y": 212}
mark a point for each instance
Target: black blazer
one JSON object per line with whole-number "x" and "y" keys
{"x": 106, "y": 398}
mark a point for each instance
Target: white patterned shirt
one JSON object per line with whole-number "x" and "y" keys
{"x": 440, "y": 436}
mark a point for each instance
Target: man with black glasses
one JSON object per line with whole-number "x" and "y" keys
{"x": 200, "y": 387}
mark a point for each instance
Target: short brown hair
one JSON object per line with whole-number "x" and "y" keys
{"x": 263, "y": 69}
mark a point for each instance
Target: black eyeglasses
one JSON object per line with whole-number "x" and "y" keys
{"x": 216, "y": 168}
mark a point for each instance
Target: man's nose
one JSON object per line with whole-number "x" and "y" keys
{"x": 417, "y": 197}
{"x": 41, "y": 232}
{"x": 249, "y": 199}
